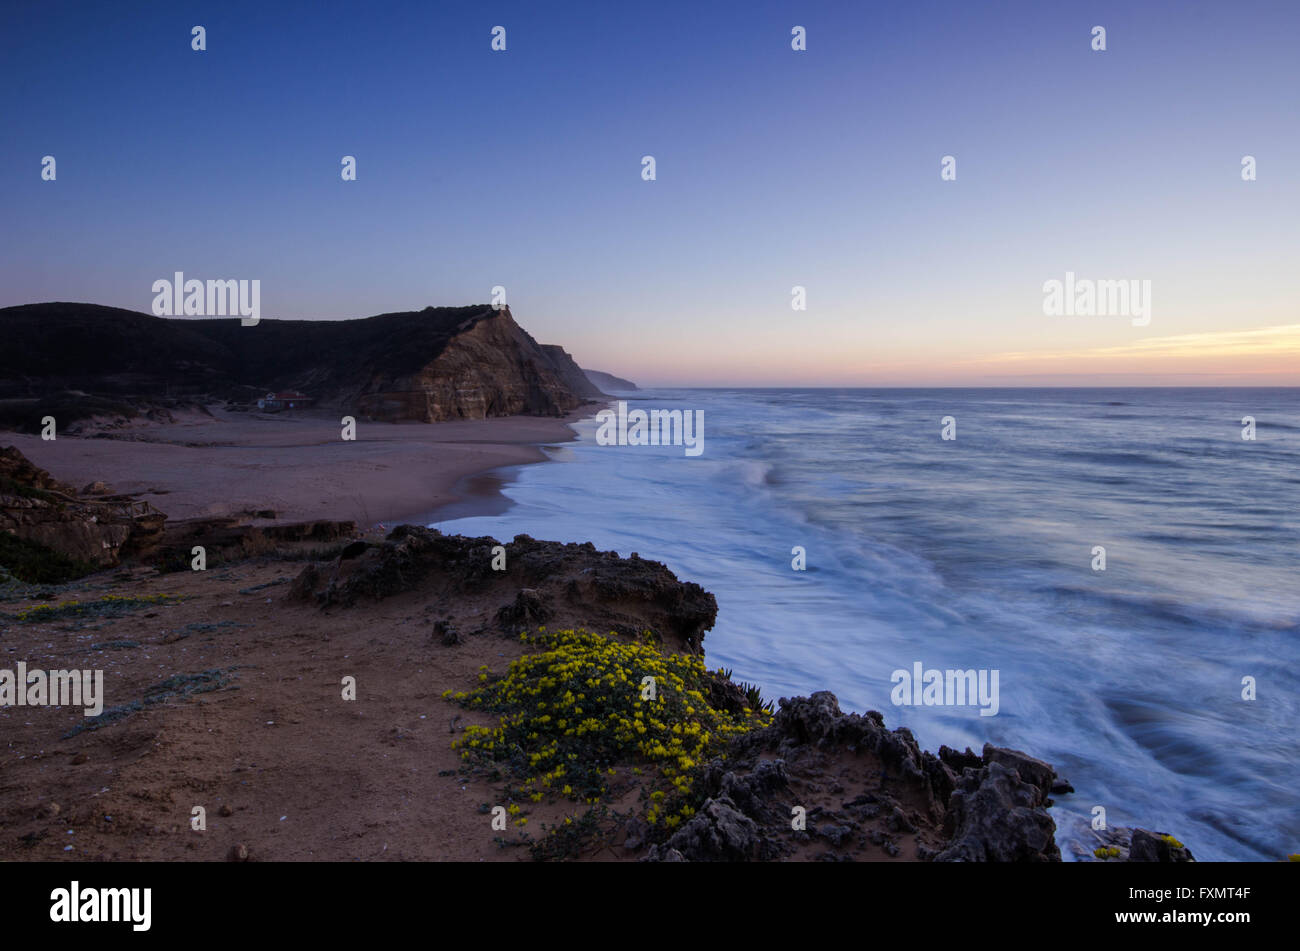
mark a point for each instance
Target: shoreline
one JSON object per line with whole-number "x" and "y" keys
{"x": 227, "y": 633}
{"x": 220, "y": 463}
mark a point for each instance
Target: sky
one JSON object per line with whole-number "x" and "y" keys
{"x": 774, "y": 168}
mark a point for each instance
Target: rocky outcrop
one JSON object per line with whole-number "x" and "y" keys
{"x": 491, "y": 367}
{"x": 865, "y": 792}
{"x": 38, "y": 509}
{"x": 1120, "y": 844}
{"x": 549, "y": 583}
{"x": 17, "y": 472}
{"x": 233, "y": 538}
{"x": 607, "y": 382}
{"x": 997, "y": 814}
{"x": 570, "y": 373}
{"x": 72, "y": 360}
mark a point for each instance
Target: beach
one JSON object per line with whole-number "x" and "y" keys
{"x": 218, "y": 463}
{"x": 906, "y": 569}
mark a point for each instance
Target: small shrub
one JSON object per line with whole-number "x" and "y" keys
{"x": 110, "y": 605}
{"x": 573, "y": 712}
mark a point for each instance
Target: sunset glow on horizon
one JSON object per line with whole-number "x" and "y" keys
{"x": 777, "y": 169}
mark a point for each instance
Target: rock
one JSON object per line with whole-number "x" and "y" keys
{"x": 994, "y": 816}
{"x": 836, "y": 835}
{"x": 570, "y": 374}
{"x": 979, "y": 807}
{"x": 1157, "y": 847}
{"x": 96, "y": 488}
{"x": 226, "y": 810}
{"x": 488, "y": 367}
{"x": 353, "y": 550}
{"x": 635, "y": 830}
{"x": 528, "y": 610}
{"x": 448, "y": 633}
{"x": 899, "y": 821}
{"x": 237, "y": 853}
{"x": 17, "y": 468}
{"x": 38, "y": 509}
{"x": 80, "y": 759}
{"x": 567, "y": 585}
{"x": 231, "y": 538}
{"x": 719, "y": 832}
{"x": 1033, "y": 771}
{"x": 959, "y": 761}
{"x": 607, "y": 381}
{"x": 49, "y": 811}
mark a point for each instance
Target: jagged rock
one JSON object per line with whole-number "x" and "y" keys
{"x": 570, "y": 373}
{"x": 39, "y": 509}
{"x": 96, "y": 488}
{"x": 995, "y": 816}
{"x": 448, "y": 633}
{"x": 1033, "y": 771}
{"x": 978, "y": 808}
{"x": 563, "y": 585}
{"x": 1124, "y": 844}
{"x": 1157, "y": 847}
{"x": 719, "y": 832}
{"x": 529, "y": 609}
{"x": 959, "y": 761}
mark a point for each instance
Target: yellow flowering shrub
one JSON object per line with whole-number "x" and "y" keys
{"x": 580, "y": 706}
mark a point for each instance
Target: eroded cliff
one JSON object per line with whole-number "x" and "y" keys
{"x": 73, "y": 360}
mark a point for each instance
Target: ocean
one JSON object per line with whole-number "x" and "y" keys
{"x": 982, "y": 552}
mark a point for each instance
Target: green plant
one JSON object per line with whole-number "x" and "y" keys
{"x": 110, "y": 605}
{"x": 585, "y": 704}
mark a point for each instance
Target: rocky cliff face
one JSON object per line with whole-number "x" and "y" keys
{"x": 607, "y": 382}
{"x": 491, "y": 368}
{"x": 572, "y": 374}
{"x": 439, "y": 363}
{"x": 38, "y": 509}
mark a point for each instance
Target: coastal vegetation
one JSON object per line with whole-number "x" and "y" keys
{"x": 586, "y": 707}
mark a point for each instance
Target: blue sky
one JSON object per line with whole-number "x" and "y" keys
{"x": 775, "y": 168}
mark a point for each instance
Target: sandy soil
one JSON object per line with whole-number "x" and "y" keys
{"x": 305, "y": 774}
{"x": 297, "y": 465}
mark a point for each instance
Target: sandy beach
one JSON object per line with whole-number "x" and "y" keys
{"x": 225, "y": 463}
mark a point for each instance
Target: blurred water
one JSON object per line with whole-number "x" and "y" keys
{"x": 977, "y": 553}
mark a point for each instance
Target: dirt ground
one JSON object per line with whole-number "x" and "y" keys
{"x": 280, "y": 762}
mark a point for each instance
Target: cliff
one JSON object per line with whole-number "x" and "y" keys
{"x": 72, "y": 360}
{"x": 572, "y": 374}
{"x": 607, "y": 381}
{"x": 50, "y": 533}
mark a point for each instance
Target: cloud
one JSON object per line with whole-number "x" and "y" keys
{"x": 1266, "y": 347}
